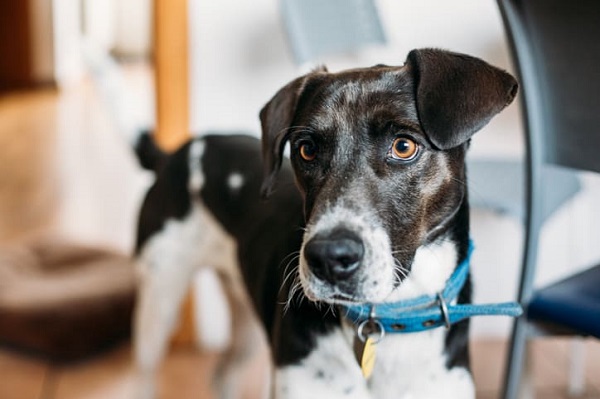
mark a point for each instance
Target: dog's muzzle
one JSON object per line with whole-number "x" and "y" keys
{"x": 335, "y": 256}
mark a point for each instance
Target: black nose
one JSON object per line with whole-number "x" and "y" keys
{"x": 334, "y": 256}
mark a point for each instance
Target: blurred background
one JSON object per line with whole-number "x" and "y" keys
{"x": 79, "y": 79}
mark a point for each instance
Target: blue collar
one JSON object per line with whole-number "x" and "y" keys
{"x": 427, "y": 311}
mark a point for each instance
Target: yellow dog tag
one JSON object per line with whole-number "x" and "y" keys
{"x": 365, "y": 353}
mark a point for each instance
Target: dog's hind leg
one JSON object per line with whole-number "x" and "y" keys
{"x": 226, "y": 322}
{"x": 162, "y": 289}
{"x": 212, "y": 311}
{"x": 245, "y": 371}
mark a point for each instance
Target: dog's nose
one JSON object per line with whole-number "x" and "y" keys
{"x": 335, "y": 256}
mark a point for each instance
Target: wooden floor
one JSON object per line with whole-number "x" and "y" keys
{"x": 64, "y": 167}
{"x": 187, "y": 374}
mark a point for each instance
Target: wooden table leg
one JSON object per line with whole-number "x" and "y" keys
{"x": 171, "y": 63}
{"x": 171, "y": 66}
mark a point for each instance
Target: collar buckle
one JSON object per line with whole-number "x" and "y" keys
{"x": 444, "y": 309}
{"x": 371, "y": 328}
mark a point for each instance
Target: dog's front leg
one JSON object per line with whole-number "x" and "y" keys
{"x": 329, "y": 371}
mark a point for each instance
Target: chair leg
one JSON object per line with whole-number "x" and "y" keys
{"x": 526, "y": 389}
{"x": 577, "y": 367}
{"x": 515, "y": 363}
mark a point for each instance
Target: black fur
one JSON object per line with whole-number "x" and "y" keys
{"x": 168, "y": 198}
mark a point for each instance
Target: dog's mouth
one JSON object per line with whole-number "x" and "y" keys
{"x": 347, "y": 300}
{"x": 342, "y": 299}
{"x": 336, "y": 298}
{"x": 362, "y": 289}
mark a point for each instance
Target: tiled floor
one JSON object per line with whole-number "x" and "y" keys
{"x": 65, "y": 168}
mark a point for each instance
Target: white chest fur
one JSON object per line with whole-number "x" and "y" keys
{"x": 408, "y": 366}
{"x": 414, "y": 366}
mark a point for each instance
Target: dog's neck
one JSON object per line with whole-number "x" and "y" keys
{"x": 431, "y": 268}
{"x": 436, "y": 260}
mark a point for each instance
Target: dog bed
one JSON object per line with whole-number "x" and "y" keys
{"x": 62, "y": 300}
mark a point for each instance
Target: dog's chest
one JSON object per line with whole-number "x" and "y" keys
{"x": 414, "y": 366}
{"x": 407, "y": 366}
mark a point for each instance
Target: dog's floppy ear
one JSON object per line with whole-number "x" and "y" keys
{"x": 276, "y": 118}
{"x": 457, "y": 94}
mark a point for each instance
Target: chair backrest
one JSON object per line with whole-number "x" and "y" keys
{"x": 318, "y": 28}
{"x": 555, "y": 47}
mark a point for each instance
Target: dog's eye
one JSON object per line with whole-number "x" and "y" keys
{"x": 404, "y": 149}
{"x": 308, "y": 151}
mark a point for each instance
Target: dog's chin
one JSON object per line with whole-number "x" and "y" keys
{"x": 331, "y": 298}
{"x": 319, "y": 291}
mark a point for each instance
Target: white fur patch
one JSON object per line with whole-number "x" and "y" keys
{"x": 235, "y": 181}
{"x": 330, "y": 371}
{"x": 413, "y": 366}
{"x": 196, "y": 180}
{"x": 212, "y": 312}
{"x": 431, "y": 268}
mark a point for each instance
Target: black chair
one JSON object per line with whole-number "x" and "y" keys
{"x": 555, "y": 47}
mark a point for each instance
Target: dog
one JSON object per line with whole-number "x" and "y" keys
{"x": 195, "y": 215}
{"x": 371, "y": 209}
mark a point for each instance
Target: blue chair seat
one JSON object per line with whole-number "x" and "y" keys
{"x": 573, "y": 302}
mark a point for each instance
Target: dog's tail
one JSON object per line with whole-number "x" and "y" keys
{"x": 149, "y": 155}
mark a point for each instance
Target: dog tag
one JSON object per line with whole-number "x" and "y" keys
{"x": 365, "y": 353}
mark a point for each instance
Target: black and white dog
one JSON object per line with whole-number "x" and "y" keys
{"x": 372, "y": 210}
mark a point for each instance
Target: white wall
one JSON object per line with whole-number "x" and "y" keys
{"x": 133, "y": 27}
{"x": 100, "y": 22}
{"x": 66, "y": 22}
{"x": 240, "y": 56}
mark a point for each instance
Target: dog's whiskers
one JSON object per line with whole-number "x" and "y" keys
{"x": 289, "y": 273}
{"x": 400, "y": 251}
{"x": 401, "y": 271}
{"x": 461, "y": 182}
{"x": 295, "y": 289}
{"x": 330, "y": 308}
{"x": 292, "y": 256}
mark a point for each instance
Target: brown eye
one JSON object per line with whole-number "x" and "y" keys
{"x": 308, "y": 151}
{"x": 404, "y": 149}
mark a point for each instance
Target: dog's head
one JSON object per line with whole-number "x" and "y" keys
{"x": 378, "y": 155}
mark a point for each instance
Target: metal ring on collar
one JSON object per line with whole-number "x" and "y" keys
{"x": 444, "y": 309}
{"x": 378, "y": 331}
